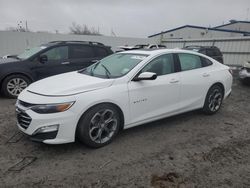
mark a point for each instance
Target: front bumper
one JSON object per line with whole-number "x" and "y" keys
{"x": 32, "y": 123}
{"x": 64, "y": 121}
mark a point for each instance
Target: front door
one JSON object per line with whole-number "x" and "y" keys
{"x": 81, "y": 56}
{"x": 155, "y": 98}
{"x": 57, "y": 62}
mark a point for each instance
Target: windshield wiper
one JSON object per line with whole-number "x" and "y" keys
{"x": 93, "y": 68}
{"x": 106, "y": 71}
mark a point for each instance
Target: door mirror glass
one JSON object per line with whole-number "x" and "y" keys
{"x": 43, "y": 59}
{"x": 146, "y": 76}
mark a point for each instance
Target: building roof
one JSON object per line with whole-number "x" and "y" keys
{"x": 199, "y": 27}
{"x": 231, "y": 23}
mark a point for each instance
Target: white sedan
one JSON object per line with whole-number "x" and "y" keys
{"x": 121, "y": 91}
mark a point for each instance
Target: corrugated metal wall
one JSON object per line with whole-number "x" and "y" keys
{"x": 235, "y": 50}
{"x": 17, "y": 42}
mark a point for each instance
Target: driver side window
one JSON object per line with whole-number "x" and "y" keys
{"x": 57, "y": 53}
{"x": 161, "y": 65}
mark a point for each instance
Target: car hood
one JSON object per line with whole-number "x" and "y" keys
{"x": 8, "y": 60}
{"x": 68, "y": 84}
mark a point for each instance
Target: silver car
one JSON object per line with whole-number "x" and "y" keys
{"x": 244, "y": 73}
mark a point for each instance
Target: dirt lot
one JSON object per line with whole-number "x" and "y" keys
{"x": 189, "y": 150}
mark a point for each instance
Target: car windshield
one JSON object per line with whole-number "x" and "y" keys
{"x": 114, "y": 66}
{"x": 30, "y": 52}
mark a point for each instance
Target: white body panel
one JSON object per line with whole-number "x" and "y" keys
{"x": 140, "y": 102}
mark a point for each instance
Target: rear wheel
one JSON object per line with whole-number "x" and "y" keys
{"x": 99, "y": 125}
{"x": 13, "y": 85}
{"x": 213, "y": 100}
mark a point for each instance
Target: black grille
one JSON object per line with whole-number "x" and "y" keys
{"x": 23, "y": 119}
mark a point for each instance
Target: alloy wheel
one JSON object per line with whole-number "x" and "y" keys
{"x": 215, "y": 99}
{"x": 103, "y": 126}
{"x": 16, "y": 85}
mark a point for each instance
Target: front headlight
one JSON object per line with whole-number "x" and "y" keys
{"x": 51, "y": 108}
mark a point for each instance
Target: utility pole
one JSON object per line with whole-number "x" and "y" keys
{"x": 247, "y": 14}
{"x": 26, "y": 25}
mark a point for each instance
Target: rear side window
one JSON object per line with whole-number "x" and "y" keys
{"x": 189, "y": 61}
{"x": 211, "y": 52}
{"x": 100, "y": 52}
{"x": 217, "y": 52}
{"x": 81, "y": 51}
{"x": 206, "y": 62}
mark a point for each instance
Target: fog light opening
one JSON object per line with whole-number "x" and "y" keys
{"x": 46, "y": 129}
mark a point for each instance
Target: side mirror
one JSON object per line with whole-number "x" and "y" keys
{"x": 43, "y": 59}
{"x": 146, "y": 76}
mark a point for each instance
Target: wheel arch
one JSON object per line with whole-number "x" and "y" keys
{"x": 15, "y": 73}
{"x": 221, "y": 85}
{"x": 101, "y": 103}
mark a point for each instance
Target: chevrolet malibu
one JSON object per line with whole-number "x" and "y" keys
{"x": 121, "y": 91}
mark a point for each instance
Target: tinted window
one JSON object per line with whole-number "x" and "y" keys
{"x": 211, "y": 52}
{"x": 205, "y": 62}
{"x": 100, "y": 52}
{"x": 57, "y": 53}
{"x": 189, "y": 61}
{"x": 217, "y": 52}
{"x": 161, "y": 65}
{"x": 202, "y": 51}
{"x": 80, "y": 51}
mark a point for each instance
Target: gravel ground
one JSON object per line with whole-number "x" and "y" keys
{"x": 189, "y": 150}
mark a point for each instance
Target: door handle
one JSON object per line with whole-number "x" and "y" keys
{"x": 205, "y": 75}
{"x": 173, "y": 81}
{"x": 65, "y": 63}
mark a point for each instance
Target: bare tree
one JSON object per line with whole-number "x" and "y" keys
{"x": 83, "y": 30}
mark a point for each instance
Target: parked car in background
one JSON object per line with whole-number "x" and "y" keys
{"x": 123, "y": 90}
{"x": 49, "y": 59}
{"x": 244, "y": 73}
{"x": 142, "y": 46}
{"x": 211, "y": 51}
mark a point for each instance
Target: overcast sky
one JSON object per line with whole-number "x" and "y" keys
{"x": 133, "y": 18}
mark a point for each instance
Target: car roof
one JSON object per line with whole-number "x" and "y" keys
{"x": 200, "y": 47}
{"x": 53, "y": 43}
{"x": 157, "y": 51}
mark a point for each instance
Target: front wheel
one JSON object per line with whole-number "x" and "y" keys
{"x": 13, "y": 85}
{"x": 99, "y": 125}
{"x": 213, "y": 100}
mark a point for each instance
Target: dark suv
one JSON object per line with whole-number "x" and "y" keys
{"x": 46, "y": 60}
{"x": 211, "y": 51}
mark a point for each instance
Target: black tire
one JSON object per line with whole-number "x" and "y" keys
{"x": 213, "y": 100}
{"x": 93, "y": 122}
{"x": 10, "y": 80}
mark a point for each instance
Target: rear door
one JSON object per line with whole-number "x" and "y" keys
{"x": 81, "y": 56}
{"x": 195, "y": 80}
{"x": 101, "y": 52}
